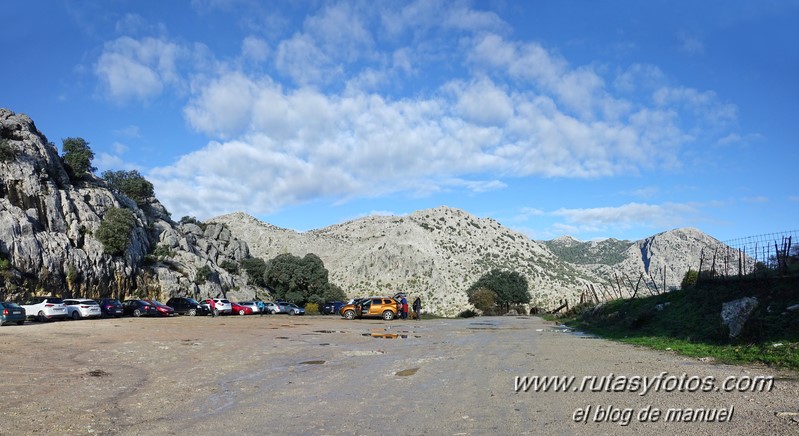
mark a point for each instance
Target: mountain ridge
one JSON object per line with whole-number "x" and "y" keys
{"x": 438, "y": 253}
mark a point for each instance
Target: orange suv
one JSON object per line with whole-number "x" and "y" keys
{"x": 382, "y": 307}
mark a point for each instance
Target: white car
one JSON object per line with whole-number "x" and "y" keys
{"x": 44, "y": 308}
{"x": 222, "y": 306}
{"x": 82, "y": 308}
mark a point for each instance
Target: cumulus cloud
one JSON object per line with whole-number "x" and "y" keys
{"x": 337, "y": 130}
{"x": 131, "y": 69}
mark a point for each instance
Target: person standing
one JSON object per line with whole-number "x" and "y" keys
{"x": 417, "y": 308}
{"x": 212, "y": 305}
{"x": 404, "y": 303}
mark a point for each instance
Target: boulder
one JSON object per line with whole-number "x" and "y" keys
{"x": 734, "y": 314}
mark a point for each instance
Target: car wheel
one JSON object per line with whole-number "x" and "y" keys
{"x": 242, "y": 312}
{"x": 20, "y": 322}
{"x": 75, "y": 315}
{"x": 388, "y": 315}
{"x": 136, "y": 313}
{"x": 272, "y": 311}
{"x": 40, "y": 317}
{"x": 349, "y": 314}
{"x": 192, "y": 312}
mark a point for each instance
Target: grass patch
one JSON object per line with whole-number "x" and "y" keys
{"x": 689, "y": 322}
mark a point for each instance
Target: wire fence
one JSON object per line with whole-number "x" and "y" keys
{"x": 752, "y": 254}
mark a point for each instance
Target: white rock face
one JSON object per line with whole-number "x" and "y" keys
{"x": 438, "y": 253}
{"x": 48, "y": 222}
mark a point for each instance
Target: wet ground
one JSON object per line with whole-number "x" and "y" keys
{"x": 325, "y": 375}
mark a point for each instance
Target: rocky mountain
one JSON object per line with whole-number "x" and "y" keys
{"x": 439, "y": 253}
{"x": 48, "y": 223}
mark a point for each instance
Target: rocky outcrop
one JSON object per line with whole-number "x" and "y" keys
{"x": 48, "y": 223}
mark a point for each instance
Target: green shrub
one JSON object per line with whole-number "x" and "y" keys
{"x": 115, "y": 230}
{"x": 202, "y": 275}
{"x": 230, "y": 266}
{"x": 312, "y": 309}
{"x": 468, "y": 313}
{"x": 78, "y": 157}
{"x": 130, "y": 183}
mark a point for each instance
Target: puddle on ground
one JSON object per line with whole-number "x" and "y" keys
{"x": 281, "y": 337}
{"x": 323, "y": 344}
{"x": 583, "y": 335}
{"x": 313, "y": 362}
{"x": 382, "y": 334}
{"x": 407, "y": 372}
{"x": 386, "y": 335}
{"x": 97, "y": 373}
{"x": 329, "y": 331}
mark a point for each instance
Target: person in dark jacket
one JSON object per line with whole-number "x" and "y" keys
{"x": 417, "y": 308}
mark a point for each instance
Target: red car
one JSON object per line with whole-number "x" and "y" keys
{"x": 241, "y": 310}
{"x": 162, "y": 308}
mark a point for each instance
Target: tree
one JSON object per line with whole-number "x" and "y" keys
{"x": 115, "y": 230}
{"x": 78, "y": 157}
{"x": 130, "y": 183}
{"x": 298, "y": 280}
{"x": 510, "y": 287}
{"x": 484, "y": 299}
{"x": 255, "y": 268}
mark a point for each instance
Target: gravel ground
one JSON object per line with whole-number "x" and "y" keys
{"x": 324, "y": 375}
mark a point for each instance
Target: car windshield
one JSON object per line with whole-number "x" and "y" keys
{"x": 192, "y": 301}
{"x": 55, "y": 301}
{"x": 9, "y": 304}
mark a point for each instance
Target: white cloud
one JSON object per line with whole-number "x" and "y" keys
{"x": 519, "y": 109}
{"x": 627, "y": 216}
{"x": 690, "y": 43}
{"x": 131, "y": 69}
{"x": 255, "y": 49}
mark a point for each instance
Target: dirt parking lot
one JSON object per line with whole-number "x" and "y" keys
{"x": 325, "y": 375}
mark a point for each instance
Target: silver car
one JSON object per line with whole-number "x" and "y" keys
{"x": 273, "y": 308}
{"x": 252, "y": 305}
{"x": 78, "y": 308}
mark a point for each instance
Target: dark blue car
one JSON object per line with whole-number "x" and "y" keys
{"x": 332, "y": 307}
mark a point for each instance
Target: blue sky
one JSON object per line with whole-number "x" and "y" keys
{"x": 591, "y": 119}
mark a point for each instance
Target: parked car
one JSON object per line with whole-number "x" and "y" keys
{"x": 11, "y": 312}
{"x": 332, "y": 307}
{"x": 138, "y": 308}
{"x": 293, "y": 309}
{"x": 241, "y": 310}
{"x": 111, "y": 307}
{"x": 256, "y": 306}
{"x": 162, "y": 308}
{"x": 383, "y": 307}
{"x": 187, "y": 306}
{"x": 82, "y": 308}
{"x": 273, "y": 308}
{"x": 221, "y": 305}
{"x": 44, "y": 308}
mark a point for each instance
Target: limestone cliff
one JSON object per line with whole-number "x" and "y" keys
{"x": 48, "y": 222}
